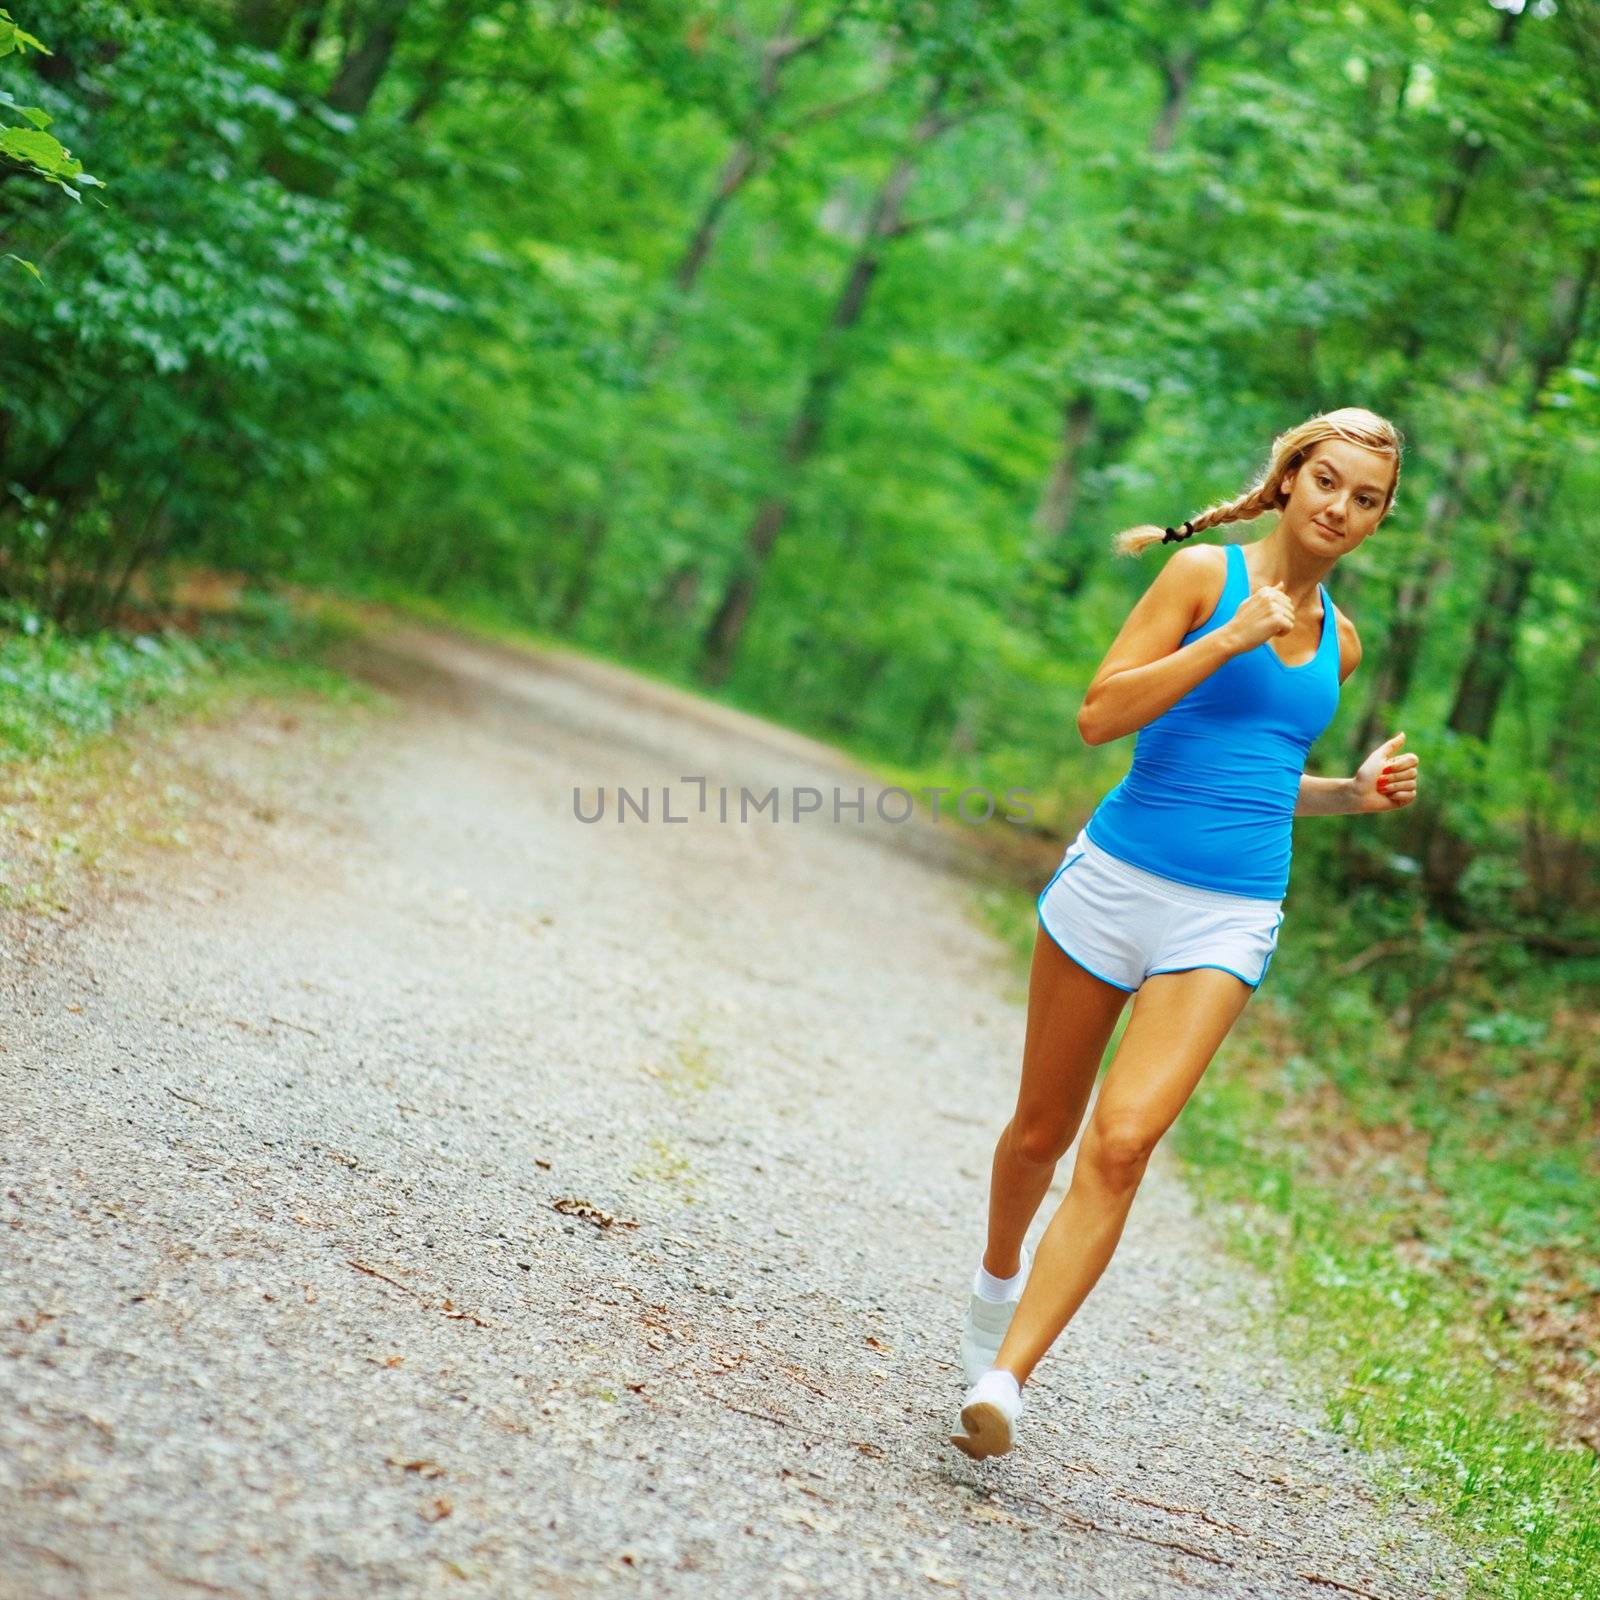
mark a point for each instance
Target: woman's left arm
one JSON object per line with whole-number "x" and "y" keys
{"x": 1385, "y": 781}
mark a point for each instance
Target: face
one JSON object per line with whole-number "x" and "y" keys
{"x": 1338, "y": 496}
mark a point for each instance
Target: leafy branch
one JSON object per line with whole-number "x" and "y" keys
{"x": 30, "y": 148}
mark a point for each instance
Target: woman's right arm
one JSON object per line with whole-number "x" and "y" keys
{"x": 1148, "y": 668}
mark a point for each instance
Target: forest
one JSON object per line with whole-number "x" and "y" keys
{"x": 809, "y": 354}
{"x": 812, "y": 352}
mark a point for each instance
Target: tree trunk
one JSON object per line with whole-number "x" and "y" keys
{"x": 436, "y": 73}
{"x": 1053, "y": 514}
{"x": 740, "y": 165}
{"x": 367, "y": 60}
{"x": 1467, "y": 160}
{"x": 743, "y": 159}
{"x": 1488, "y": 664}
{"x": 1557, "y": 864}
{"x": 1572, "y": 724}
{"x": 262, "y": 22}
{"x": 726, "y": 629}
{"x": 1492, "y": 656}
{"x": 1058, "y": 501}
{"x": 577, "y": 595}
{"x": 1177, "y": 80}
{"x": 303, "y": 37}
{"x": 736, "y": 172}
{"x": 1427, "y": 569}
{"x": 675, "y": 597}
{"x": 1397, "y": 661}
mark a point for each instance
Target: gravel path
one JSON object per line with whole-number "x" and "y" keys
{"x": 426, "y": 1193}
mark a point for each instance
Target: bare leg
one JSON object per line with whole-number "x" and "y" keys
{"x": 1179, "y": 1019}
{"x": 1071, "y": 1015}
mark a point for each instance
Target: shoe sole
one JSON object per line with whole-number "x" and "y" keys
{"x": 988, "y": 1432}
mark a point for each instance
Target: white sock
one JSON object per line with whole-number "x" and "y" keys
{"x": 999, "y": 1377}
{"x": 988, "y": 1287}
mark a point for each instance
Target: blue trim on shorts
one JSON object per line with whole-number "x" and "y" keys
{"x": 1216, "y": 967}
{"x": 1273, "y": 951}
{"x": 1039, "y": 907}
{"x": 1220, "y": 968}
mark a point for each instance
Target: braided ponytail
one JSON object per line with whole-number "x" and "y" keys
{"x": 1289, "y": 449}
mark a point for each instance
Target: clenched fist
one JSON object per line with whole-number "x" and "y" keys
{"x": 1386, "y": 781}
{"x": 1266, "y": 614}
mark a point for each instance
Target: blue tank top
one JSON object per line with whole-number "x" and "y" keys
{"x": 1210, "y": 797}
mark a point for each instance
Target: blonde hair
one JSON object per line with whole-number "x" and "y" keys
{"x": 1289, "y": 450}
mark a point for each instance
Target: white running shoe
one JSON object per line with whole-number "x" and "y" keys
{"x": 989, "y": 1415}
{"x": 987, "y": 1321}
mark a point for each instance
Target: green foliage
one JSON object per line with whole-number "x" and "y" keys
{"x": 194, "y": 342}
{"x": 31, "y": 149}
{"x": 58, "y": 689}
{"x": 1419, "y": 1189}
{"x": 605, "y": 283}
{"x": 953, "y": 291}
{"x": 52, "y": 685}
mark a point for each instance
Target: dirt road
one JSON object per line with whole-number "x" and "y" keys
{"x": 427, "y": 1192}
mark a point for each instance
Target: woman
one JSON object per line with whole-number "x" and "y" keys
{"x": 1229, "y": 666}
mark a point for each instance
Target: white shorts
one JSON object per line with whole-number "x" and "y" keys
{"x": 1125, "y": 924}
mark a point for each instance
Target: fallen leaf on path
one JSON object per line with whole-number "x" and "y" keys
{"x": 437, "y": 1512}
{"x": 571, "y": 1207}
{"x": 423, "y": 1467}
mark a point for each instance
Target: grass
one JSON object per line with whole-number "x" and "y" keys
{"x": 1421, "y": 1197}
{"x": 59, "y": 689}
{"x": 74, "y": 791}
{"x": 668, "y": 1170}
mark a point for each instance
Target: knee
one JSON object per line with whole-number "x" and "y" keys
{"x": 1040, "y": 1141}
{"x": 1117, "y": 1149}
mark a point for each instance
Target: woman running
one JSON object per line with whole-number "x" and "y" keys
{"x": 1229, "y": 666}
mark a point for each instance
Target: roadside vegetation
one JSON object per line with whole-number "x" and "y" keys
{"x": 89, "y": 725}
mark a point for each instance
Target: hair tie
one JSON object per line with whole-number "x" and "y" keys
{"x": 1173, "y": 534}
